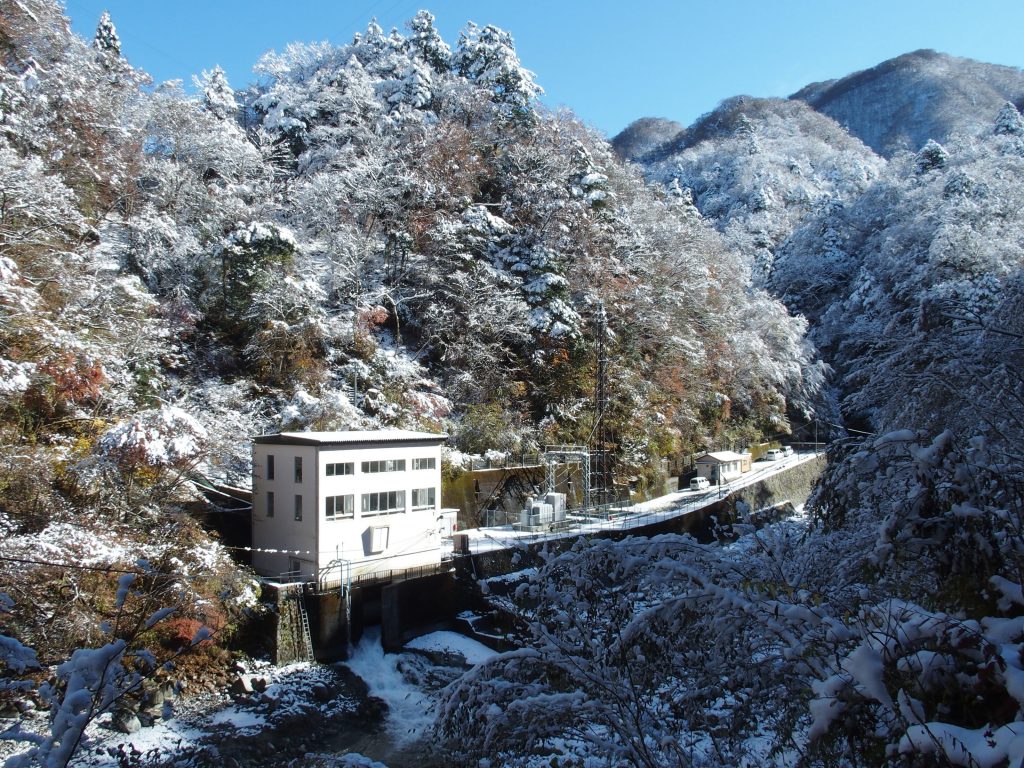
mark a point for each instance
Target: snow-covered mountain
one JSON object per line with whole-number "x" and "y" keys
{"x": 645, "y": 136}
{"x": 829, "y": 225}
{"x": 391, "y": 233}
{"x": 903, "y": 102}
{"x": 386, "y": 233}
{"x": 755, "y": 167}
{"x": 897, "y": 105}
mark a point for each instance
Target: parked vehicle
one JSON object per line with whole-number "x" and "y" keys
{"x": 774, "y": 454}
{"x": 788, "y": 450}
{"x": 699, "y": 484}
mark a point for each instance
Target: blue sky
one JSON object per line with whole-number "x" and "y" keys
{"x": 610, "y": 62}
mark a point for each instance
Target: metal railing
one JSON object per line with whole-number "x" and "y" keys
{"x": 506, "y": 462}
{"x": 615, "y": 517}
{"x": 579, "y": 525}
{"x": 372, "y": 578}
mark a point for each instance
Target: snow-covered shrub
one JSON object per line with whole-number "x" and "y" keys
{"x": 931, "y": 663}
{"x": 146, "y": 458}
{"x": 646, "y": 652}
{"x": 331, "y": 410}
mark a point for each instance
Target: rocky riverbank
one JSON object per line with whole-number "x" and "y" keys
{"x": 377, "y": 706}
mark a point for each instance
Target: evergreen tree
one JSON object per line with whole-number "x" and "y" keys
{"x": 218, "y": 96}
{"x": 931, "y": 157}
{"x": 488, "y": 57}
{"x": 1009, "y": 121}
{"x": 106, "y": 39}
{"x": 427, "y": 43}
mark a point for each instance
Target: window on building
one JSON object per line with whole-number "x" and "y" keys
{"x": 270, "y": 503}
{"x": 270, "y": 466}
{"x": 425, "y": 463}
{"x": 339, "y": 507}
{"x": 422, "y": 498}
{"x": 383, "y": 503}
{"x": 383, "y": 465}
{"x": 346, "y": 468}
{"x": 298, "y": 506}
{"x": 298, "y": 469}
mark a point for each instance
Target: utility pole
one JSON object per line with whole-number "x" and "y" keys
{"x": 601, "y": 480}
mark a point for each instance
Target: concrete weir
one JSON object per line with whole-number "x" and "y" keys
{"x": 410, "y": 603}
{"x": 403, "y": 607}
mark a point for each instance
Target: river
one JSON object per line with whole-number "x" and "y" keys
{"x": 407, "y": 683}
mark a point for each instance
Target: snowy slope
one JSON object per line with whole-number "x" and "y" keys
{"x": 903, "y": 102}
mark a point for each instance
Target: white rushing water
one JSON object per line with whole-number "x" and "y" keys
{"x": 409, "y": 709}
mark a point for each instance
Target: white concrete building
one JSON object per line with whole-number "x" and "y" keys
{"x": 721, "y": 466}
{"x": 339, "y": 504}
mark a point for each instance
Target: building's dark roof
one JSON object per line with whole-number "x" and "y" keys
{"x": 353, "y": 438}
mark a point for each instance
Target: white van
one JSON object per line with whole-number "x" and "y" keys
{"x": 787, "y": 450}
{"x": 699, "y": 484}
{"x": 774, "y": 454}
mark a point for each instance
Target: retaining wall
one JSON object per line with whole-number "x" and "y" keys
{"x": 286, "y": 625}
{"x": 793, "y": 485}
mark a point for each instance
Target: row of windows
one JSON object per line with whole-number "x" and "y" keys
{"x": 348, "y": 468}
{"x": 384, "y": 465}
{"x": 383, "y": 503}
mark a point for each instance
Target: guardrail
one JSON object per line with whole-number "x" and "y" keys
{"x": 578, "y": 525}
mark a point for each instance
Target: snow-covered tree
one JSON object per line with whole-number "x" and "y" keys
{"x": 932, "y": 156}
{"x": 106, "y": 39}
{"x": 1009, "y": 121}
{"x": 427, "y": 42}
{"x": 218, "y": 96}
{"x": 488, "y": 57}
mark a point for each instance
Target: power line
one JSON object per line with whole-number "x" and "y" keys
{"x": 73, "y": 566}
{"x": 271, "y": 551}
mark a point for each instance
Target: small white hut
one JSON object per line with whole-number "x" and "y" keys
{"x": 720, "y": 466}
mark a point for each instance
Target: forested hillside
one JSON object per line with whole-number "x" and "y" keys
{"x": 756, "y": 167}
{"x": 390, "y": 232}
{"x": 892, "y": 626}
{"x": 905, "y": 267}
{"x": 902, "y": 103}
{"x": 393, "y": 232}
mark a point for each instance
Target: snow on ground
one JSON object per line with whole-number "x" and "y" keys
{"x": 452, "y": 642}
{"x": 182, "y": 732}
{"x": 238, "y": 719}
{"x": 212, "y": 721}
{"x": 169, "y": 736}
{"x": 665, "y": 507}
{"x": 511, "y": 577}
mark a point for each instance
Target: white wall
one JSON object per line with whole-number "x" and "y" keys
{"x": 413, "y": 536}
{"x": 283, "y": 531}
{"x": 730, "y": 470}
